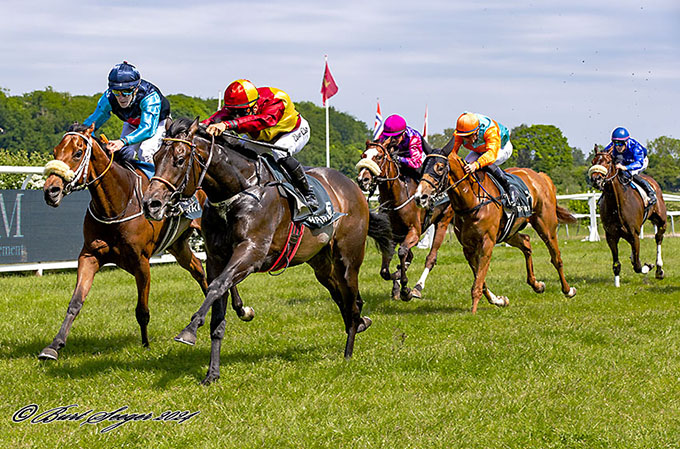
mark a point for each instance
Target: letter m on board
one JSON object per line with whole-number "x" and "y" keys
{"x": 16, "y": 213}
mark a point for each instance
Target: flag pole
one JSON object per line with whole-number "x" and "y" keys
{"x": 328, "y": 138}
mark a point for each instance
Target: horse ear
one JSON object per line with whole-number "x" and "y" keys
{"x": 90, "y": 130}
{"x": 168, "y": 124}
{"x": 596, "y": 148}
{"x": 194, "y": 126}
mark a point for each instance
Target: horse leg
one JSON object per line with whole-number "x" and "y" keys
{"x": 479, "y": 259}
{"x": 244, "y": 313}
{"x": 143, "y": 280}
{"x": 431, "y": 259}
{"x": 523, "y": 242}
{"x": 217, "y": 326}
{"x": 660, "y": 224}
{"x": 405, "y": 257}
{"x": 613, "y": 242}
{"x": 548, "y": 233}
{"x": 638, "y": 267}
{"x": 88, "y": 265}
{"x": 500, "y": 301}
{"x": 188, "y": 260}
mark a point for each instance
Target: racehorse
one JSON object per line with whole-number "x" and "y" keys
{"x": 247, "y": 224}
{"x": 115, "y": 230}
{"x": 623, "y": 213}
{"x": 378, "y": 167}
{"x": 479, "y": 218}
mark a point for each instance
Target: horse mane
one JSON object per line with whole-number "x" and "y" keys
{"x": 80, "y": 128}
{"x": 247, "y": 149}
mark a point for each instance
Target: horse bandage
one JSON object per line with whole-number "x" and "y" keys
{"x": 59, "y": 168}
{"x": 601, "y": 169}
{"x": 370, "y": 165}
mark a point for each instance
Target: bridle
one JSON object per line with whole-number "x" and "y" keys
{"x": 178, "y": 191}
{"x": 439, "y": 187}
{"x": 388, "y": 160}
{"x": 71, "y": 177}
{"x": 603, "y": 170}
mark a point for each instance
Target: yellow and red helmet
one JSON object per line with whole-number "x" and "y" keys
{"x": 241, "y": 94}
{"x": 467, "y": 124}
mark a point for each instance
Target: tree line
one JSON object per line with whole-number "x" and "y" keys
{"x": 33, "y": 123}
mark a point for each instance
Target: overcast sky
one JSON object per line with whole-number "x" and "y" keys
{"x": 585, "y": 66}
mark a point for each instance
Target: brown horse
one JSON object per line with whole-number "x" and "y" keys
{"x": 395, "y": 193}
{"x": 246, "y": 222}
{"x": 479, "y": 218}
{"x": 623, "y": 213}
{"x": 115, "y": 230}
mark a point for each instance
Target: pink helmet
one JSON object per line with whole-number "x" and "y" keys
{"x": 394, "y": 125}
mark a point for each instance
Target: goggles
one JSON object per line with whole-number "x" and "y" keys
{"x": 124, "y": 93}
{"x": 619, "y": 143}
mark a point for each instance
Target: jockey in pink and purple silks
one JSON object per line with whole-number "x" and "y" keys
{"x": 407, "y": 141}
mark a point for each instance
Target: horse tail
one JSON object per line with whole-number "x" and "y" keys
{"x": 380, "y": 230}
{"x": 564, "y": 216}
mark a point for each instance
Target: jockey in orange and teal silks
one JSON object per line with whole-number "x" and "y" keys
{"x": 630, "y": 156}
{"x": 142, "y": 108}
{"x": 489, "y": 145}
{"x": 407, "y": 142}
{"x": 266, "y": 114}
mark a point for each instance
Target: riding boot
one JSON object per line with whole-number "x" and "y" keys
{"x": 502, "y": 178}
{"x": 649, "y": 190}
{"x": 297, "y": 175}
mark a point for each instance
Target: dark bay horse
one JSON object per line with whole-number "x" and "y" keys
{"x": 246, "y": 222}
{"x": 115, "y": 230}
{"x": 623, "y": 213}
{"x": 379, "y": 167}
{"x": 479, "y": 218}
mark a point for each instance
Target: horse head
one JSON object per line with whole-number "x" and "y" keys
{"x": 434, "y": 179}
{"x": 376, "y": 164}
{"x": 69, "y": 169}
{"x": 602, "y": 169}
{"x": 180, "y": 166}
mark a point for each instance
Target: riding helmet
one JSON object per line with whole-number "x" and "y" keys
{"x": 240, "y": 94}
{"x": 620, "y": 133}
{"x": 124, "y": 76}
{"x": 394, "y": 125}
{"x": 467, "y": 124}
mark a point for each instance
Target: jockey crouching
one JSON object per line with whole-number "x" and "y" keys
{"x": 631, "y": 157}
{"x": 489, "y": 145}
{"x": 141, "y": 106}
{"x": 266, "y": 114}
{"x": 407, "y": 144}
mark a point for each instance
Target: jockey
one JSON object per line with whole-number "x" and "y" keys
{"x": 266, "y": 114}
{"x": 630, "y": 156}
{"x": 140, "y": 105}
{"x": 489, "y": 145}
{"x": 407, "y": 141}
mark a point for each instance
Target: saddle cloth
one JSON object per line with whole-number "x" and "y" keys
{"x": 521, "y": 209}
{"x": 323, "y": 215}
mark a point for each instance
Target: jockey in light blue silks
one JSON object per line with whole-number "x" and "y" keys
{"x": 630, "y": 156}
{"x": 140, "y": 105}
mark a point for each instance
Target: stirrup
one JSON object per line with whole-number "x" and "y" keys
{"x": 311, "y": 201}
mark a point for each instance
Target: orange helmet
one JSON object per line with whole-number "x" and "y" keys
{"x": 467, "y": 124}
{"x": 240, "y": 94}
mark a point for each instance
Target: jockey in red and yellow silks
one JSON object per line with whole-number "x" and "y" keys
{"x": 489, "y": 145}
{"x": 266, "y": 114}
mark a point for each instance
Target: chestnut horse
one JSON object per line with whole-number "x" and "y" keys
{"x": 623, "y": 213}
{"x": 378, "y": 167}
{"x": 246, "y": 222}
{"x": 115, "y": 230}
{"x": 479, "y": 218}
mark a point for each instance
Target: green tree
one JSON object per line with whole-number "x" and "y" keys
{"x": 664, "y": 162}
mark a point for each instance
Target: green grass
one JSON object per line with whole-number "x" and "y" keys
{"x": 599, "y": 370}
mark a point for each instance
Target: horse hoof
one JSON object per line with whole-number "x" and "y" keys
{"x": 248, "y": 314}
{"x": 660, "y": 274}
{"x": 48, "y": 354}
{"x": 186, "y": 337}
{"x": 365, "y": 324}
{"x": 506, "y": 301}
{"x": 571, "y": 293}
{"x": 209, "y": 379}
{"x": 540, "y": 288}
{"x": 645, "y": 268}
{"x": 406, "y": 294}
{"x": 417, "y": 291}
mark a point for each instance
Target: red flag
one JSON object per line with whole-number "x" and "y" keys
{"x": 328, "y": 86}
{"x": 425, "y": 124}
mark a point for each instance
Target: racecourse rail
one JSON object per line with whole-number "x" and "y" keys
{"x": 590, "y": 197}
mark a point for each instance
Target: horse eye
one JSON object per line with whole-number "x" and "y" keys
{"x": 179, "y": 161}
{"x": 78, "y": 154}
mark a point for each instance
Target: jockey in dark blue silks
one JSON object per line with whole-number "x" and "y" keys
{"x": 140, "y": 105}
{"x": 631, "y": 157}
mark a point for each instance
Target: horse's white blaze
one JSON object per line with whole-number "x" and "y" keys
{"x": 659, "y": 262}
{"x": 423, "y": 277}
{"x": 617, "y": 281}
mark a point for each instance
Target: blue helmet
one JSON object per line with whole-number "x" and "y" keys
{"x": 124, "y": 76}
{"x": 620, "y": 134}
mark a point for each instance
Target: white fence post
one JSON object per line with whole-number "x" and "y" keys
{"x": 592, "y": 207}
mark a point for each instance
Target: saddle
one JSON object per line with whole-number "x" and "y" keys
{"x": 627, "y": 179}
{"x": 323, "y": 215}
{"x": 520, "y": 210}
